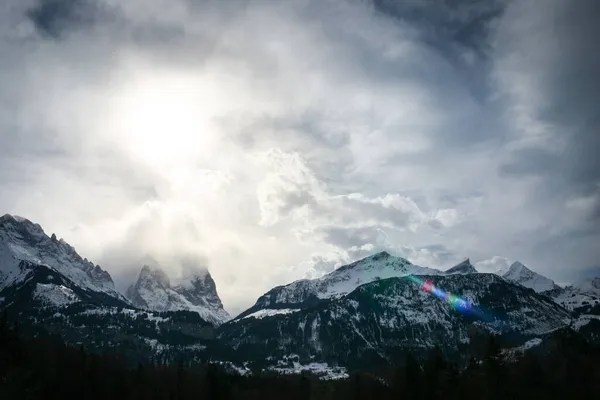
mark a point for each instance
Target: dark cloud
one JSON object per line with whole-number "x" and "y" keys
{"x": 54, "y": 18}
{"x": 459, "y": 30}
{"x": 564, "y": 72}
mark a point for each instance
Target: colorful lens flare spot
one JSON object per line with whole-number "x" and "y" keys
{"x": 462, "y": 305}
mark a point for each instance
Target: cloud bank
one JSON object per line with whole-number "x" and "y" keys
{"x": 273, "y": 141}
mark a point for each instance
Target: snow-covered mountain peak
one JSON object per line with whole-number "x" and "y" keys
{"x": 19, "y": 224}
{"x": 155, "y": 274}
{"x": 519, "y": 273}
{"x": 340, "y": 282}
{"x": 464, "y": 267}
{"x": 377, "y": 263}
{"x": 23, "y": 240}
{"x": 197, "y": 292}
{"x": 518, "y": 269}
{"x": 191, "y": 278}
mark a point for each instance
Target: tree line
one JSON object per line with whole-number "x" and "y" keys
{"x": 47, "y": 368}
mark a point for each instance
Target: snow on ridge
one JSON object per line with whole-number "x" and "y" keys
{"x": 586, "y": 293}
{"x": 519, "y": 273}
{"x": 260, "y": 314}
{"x": 23, "y": 240}
{"x": 345, "y": 279}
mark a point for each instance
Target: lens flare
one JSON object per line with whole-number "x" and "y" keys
{"x": 463, "y": 306}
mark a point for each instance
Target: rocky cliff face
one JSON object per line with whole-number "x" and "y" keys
{"x": 154, "y": 290}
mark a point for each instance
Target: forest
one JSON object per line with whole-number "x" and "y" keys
{"x": 47, "y": 368}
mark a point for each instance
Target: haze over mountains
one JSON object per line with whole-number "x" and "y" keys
{"x": 358, "y": 316}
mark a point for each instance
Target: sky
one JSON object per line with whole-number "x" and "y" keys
{"x": 273, "y": 141}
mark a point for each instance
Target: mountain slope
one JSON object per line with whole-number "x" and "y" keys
{"x": 22, "y": 240}
{"x": 382, "y": 319}
{"x": 522, "y": 275}
{"x": 153, "y": 291}
{"x": 304, "y": 293}
{"x": 581, "y": 296}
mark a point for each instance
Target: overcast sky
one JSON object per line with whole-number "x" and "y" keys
{"x": 271, "y": 141}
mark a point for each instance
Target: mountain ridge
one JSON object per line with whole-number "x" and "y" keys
{"x": 23, "y": 240}
{"x": 361, "y": 315}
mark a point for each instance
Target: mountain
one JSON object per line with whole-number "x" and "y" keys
{"x": 522, "y": 275}
{"x": 153, "y": 291}
{"x": 24, "y": 246}
{"x": 464, "y": 267}
{"x": 377, "y": 322}
{"x": 338, "y": 283}
{"x": 52, "y": 290}
{"x": 581, "y": 297}
{"x": 362, "y": 316}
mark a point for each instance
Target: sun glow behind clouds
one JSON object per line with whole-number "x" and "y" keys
{"x": 165, "y": 121}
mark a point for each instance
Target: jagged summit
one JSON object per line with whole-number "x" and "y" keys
{"x": 154, "y": 273}
{"x": 519, "y": 273}
{"x": 464, "y": 267}
{"x": 8, "y": 221}
{"x": 154, "y": 290}
{"x": 23, "y": 240}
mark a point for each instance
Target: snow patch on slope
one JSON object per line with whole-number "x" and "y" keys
{"x": 55, "y": 295}
{"x": 260, "y": 314}
{"x": 289, "y": 366}
{"x": 586, "y": 293}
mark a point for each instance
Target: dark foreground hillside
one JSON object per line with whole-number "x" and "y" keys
{"x": 566, "y": 368}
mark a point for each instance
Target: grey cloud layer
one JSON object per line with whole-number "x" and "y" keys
{"x": 435, "y": 130}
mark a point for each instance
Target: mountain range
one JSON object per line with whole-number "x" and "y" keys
{"x": 364, "y": 315}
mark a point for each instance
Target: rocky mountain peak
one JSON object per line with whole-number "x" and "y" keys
{"x": 196, "y": 291}
{"x": 23, "y": 240}
{"x": 19, "y": 224}
{"x": 519, "y": 273}
{"x": 153, "y": 273}
{"x": 464, "y": 267}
